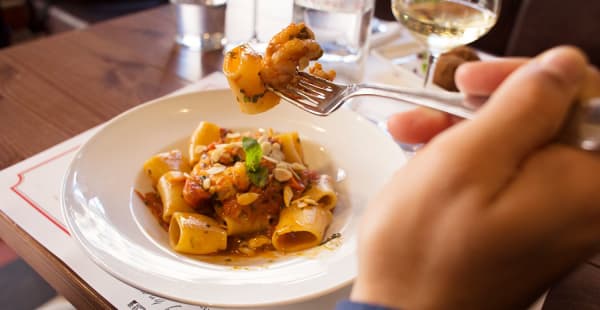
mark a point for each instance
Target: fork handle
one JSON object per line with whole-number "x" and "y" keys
{"x": 581, "y": 128}
{"x": 451, "y": 103}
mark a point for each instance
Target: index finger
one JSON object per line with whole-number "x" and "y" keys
{"x": 481, "y": 78}
{"x": 473, "y": 78}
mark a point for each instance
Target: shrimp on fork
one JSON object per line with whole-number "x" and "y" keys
{"x": 288, "y": 52}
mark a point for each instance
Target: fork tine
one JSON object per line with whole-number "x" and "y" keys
{"x": 308, "y": 98}
{"x": 315, "y": 81}
{"x": 310, "y": 91}
{"x": 314, "y": 87}
{"x": 294, "y": 95}
{"x": 312, "y": 94}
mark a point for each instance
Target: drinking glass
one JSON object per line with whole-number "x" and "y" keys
{"x": 342, "y": 28}
{"x": 442, "y": 25}
{"x": 255, "y": 21}
{"x": 200, "y": 23}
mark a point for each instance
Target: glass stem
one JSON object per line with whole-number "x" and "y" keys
{"x": 430, "y": 71}
{"x": 255, "y": 21}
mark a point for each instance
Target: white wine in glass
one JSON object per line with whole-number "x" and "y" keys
{"x": 442, "y": 25}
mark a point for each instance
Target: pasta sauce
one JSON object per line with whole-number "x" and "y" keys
{"x": 239, "y": 193}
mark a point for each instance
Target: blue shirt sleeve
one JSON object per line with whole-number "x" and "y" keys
{"x": 350, "y": 305}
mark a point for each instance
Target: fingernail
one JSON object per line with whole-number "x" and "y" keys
{"x": 566, "y": 63}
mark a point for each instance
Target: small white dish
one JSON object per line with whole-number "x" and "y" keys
{"x": 118, "y": 232}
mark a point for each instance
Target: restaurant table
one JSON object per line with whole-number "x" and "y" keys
{"x": 54, "y": 88}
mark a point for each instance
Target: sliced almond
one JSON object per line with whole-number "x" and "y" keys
{"x": 247, "y": 198}
{"x": 216, "y": 154}
{"x": 233, "y": 135}
{"x": 206, "y": 184}
{"x": 281, "y": 174}
{"x": 277, "y": 154}
{"x": 295, "y": 174}
{"x": 266, "y": 148}
{"x": 215, "y": 169}
{"x": 271, "y": 159}
{"x": 199, "y": 149}
{"x": 298, "y": 166}
{"x": 283, "y": 165}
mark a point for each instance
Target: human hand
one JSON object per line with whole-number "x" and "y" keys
{"x": 473, "y": 78}
{"x": 491, "y": 211}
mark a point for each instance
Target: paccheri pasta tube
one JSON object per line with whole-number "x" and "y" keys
{"x": 300, "y": 228}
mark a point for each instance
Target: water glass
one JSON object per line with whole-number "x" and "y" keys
{"x": 200, "y": 24}
{"x": 255, "y": 22}
{"x": 342, "y": 28}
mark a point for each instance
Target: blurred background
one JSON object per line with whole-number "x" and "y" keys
{"x": 23, "y": 20}
{"x": 524, "y": 28}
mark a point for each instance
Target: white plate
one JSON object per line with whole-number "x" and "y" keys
{"x": 120, "y": 235}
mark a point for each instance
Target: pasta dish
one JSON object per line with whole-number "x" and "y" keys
{"x": 239, "y": 193}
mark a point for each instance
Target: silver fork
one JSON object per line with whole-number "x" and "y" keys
{"x": 322, "y": 97}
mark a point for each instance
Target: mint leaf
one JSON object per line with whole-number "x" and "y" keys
{"x": 253, "y": 153}
{"x": 256, "y": 173}
{"x": 259, "y": 177}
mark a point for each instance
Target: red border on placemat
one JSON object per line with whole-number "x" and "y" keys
{"x": 31, "y": 202}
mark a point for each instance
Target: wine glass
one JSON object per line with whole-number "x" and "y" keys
{"x": 254, "y": 42}
{"x": 442, "y": 25}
